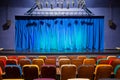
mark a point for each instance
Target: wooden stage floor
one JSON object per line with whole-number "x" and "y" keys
{"x": 62, "y": 52}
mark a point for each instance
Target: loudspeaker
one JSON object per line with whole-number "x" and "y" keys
{"x": 112, "y": 25}
{"x": 7, "y": 25}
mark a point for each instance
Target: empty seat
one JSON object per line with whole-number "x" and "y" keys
{"x": 51, "y": 57}
{"x": 11, "y": 62}
{"x": 111, "y": 57}
{"x": 50, "y": 62}
{"x": 42, "y": 57}
{"x": 30, "y": 72}
{"x": 21, "y": 57}
{"x": 32, "y": 57}
{"x": 62, "y": 57}
{"x": 103, "y": 71}
{"x": 38, "y": 62}
{"x": 12, "y": 57}
{"x": 72, "y": 57}
{"x": 81, "y": 57}
{"x": 103, "y": 61}
{"x": 77, "y": 62}
{"x": 64, "y": 61}
{"x": 86, "y": 71}
{"x": 114, "y": 63}
{"x": 48, "y": 71}
{"x": 101, "y": 57}
{"x": 89, "y": 61}
{"x": 23, "y": 62}
{"x": 68, "y": 71}
{"x": 13, "y": 71}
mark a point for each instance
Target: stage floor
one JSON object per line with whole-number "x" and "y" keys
{"x": 62, "y": 52}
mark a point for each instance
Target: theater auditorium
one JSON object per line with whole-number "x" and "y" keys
{"x": 59, "y": 40}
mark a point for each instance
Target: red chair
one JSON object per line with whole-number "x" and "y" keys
{"x": 48, "y": 71}
{"x": 12, "y": 57}
{"x": 11, "y": 62}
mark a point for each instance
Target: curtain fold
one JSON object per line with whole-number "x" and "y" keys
{"x": 59, "y": 34}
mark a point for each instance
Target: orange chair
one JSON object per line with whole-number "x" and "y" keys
{"x": 13, "y": 71}
{"x": 30, "y": 72}
{"x": 81, "y": 57}
{"x": 62, "y": 57}
{"x": 48, "y": 71}
{"x": 0, "y": 73}
{"x": 77, "y": 62}
{"x": 50, "y": 62}
{"x": 68, "y": 71}
{"x": 42, "y": 57}
{"x": 64, "y": 61}
{"x": 72, "y": 57}
{"x": 11, "y": 62}
{"x": 89, "y": 61}
{"x": 23, "y": 62}
{"x": 2, "y": 65}
{"x": 103, "y": 71}
{"x": 86, "y": 71}
{"x": 21, "y": 57}
{"x": 38, "y": 62}
{"x": 111, "y": 57}
{"x": 103, "y": 61}
{"x": 51, "y": 57}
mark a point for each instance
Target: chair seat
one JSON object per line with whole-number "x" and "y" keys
{"x": 78, "y": 79}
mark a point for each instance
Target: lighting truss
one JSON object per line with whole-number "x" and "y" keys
{"x": 59, "y": 7}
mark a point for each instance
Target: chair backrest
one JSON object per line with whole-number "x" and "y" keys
{"x": 12, "y": 57}
{"x": 114, "y": 63}
{"x": 117, "y": 72}
{"x": 23, "y": 62}
{"x": 103, "y": 71}
{"x": 89, "y": 61}
{"x": 50, "y": 62}
{"x": 101, "y": 57}
{"x": 42, "y": 57}
{"x": 21, "y": 57}
{"x": 68, "y": 71}
{"x": 81, "y": 57}
{"x": 51, "y": 57}
{"x": 86, "y": 71}
{"x": 103, "y": 61}
{"x": 111, "y": 57}
{"x": 48, "y": 71}
{"x": 38, "y": 62}
{"x": 11, "y": 62}
{"x": 77, "y": 62}
{"x": 2, "y": 65}
{"x": 13, "y": 71}
{"x": 64, "y": 61}
{"x": 30, "y": 72}
{"x": 3, "y": 58}
{"x": 62, "y": 57}
{"x": 32, "y": 57}
{"x": 72, "y": 57}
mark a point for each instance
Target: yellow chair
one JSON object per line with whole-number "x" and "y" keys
{"x": 103, "y": 71}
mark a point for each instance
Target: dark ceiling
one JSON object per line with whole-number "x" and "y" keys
{"x": 89, "y": 3}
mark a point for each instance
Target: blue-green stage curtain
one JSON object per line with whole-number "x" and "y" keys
{"x": 59, "y": 34}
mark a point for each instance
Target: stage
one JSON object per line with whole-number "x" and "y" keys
{"x": 62, "y": 52}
